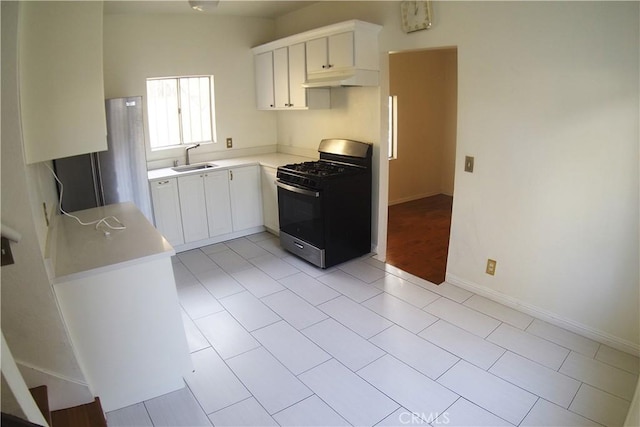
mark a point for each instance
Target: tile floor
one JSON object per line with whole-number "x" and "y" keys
{"x": 276, "y": 341}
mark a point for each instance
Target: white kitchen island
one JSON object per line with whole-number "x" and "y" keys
{"x": 118, "y": 299}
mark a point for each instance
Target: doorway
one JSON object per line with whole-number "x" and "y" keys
{"x": 424, "y": 85}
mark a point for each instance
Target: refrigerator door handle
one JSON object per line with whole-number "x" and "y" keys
{"x": 97, "y": 178}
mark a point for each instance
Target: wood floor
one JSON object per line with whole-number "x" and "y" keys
{"x": 418, "y": 236}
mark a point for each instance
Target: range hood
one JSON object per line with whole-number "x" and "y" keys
{"x": 342, "y": 77}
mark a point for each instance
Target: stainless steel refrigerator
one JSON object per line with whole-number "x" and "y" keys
{"x": 113, "y": 176}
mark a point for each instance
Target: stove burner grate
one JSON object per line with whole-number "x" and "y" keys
{"x": 320, "y": 168}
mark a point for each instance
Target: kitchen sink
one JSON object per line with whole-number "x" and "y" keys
{"x": 194, "y": 167}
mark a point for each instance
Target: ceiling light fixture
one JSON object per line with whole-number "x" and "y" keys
{"x": 203, "y": 5}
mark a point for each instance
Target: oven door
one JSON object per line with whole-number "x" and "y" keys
{"x": 300, "y": 211}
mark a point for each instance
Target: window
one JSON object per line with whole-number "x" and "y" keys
{"x": 180, "y": 111}
{"x": 393, "y": 127}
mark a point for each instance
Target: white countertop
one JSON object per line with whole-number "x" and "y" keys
{"x": 271, "y": 160}
{"x": 83, "y": 250}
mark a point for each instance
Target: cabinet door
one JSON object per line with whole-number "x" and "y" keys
{"x": 166, "y": 210}
{"x": 297, "y": 76}
{"x": 61, "y": 79}
{"x": 193, "y": 208}
{"x": 216, "y": 190}
{"x": 264, "y": 81}
{"x": 270, "y": 199}
{"x": 341, "y": 52}
{"x": 246, "y": 197}
{"x": 317, "y": 55}
{"x": 281, "y": 77}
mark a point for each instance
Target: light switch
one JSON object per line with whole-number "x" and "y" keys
{"x": 468, "y": 164}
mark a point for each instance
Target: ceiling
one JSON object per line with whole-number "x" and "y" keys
{"x": 256, "y": 8}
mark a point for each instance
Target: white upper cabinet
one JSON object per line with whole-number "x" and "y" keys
{"x": 343, "y": 54}
{"x": 335, "y": 52}
{"x": 347, "y": 58}
{"x": 265, "y": 96}
{"x": 279, "y": 77}
{"x": 61, "y": 79}
{"x": 298, "y": 95}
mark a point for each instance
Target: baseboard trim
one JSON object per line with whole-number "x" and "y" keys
{"x": 547, "y": 316}
{"x": 218, "y": 239}
{"x": 412, "y": 198}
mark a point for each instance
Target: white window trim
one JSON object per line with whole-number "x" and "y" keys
{"x": 183, "y": 144}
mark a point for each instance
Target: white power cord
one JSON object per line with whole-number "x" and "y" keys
{"x": 119, "y": 225}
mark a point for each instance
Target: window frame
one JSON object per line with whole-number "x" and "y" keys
{"x": 179, "y": 112}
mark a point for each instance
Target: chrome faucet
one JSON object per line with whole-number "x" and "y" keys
{"x": 187, "y": 152}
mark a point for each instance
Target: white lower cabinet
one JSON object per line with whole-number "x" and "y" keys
{"x": 199, "y": 207}
{"x": 205, "y": 205}
{"x": 246, "y": 197}
{"x": 118, "y": 299}
{"x": 193, "y": 208}
{"x": 216, "y": 191}
{"x": 127, "y": 330}
{"x": 270, "y": 199}
{"x": 166, "y": 210}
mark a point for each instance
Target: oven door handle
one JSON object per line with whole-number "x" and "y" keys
{"x": 298, "y": 189}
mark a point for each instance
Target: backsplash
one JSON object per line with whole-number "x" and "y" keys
{"x": 205, "y": 157}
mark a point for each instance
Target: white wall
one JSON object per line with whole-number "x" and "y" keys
{"x": 548, "y": 104}
{"x": 31, "y": 322}
{"x": 140, "y": 46}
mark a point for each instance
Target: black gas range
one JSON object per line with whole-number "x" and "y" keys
{"x": 325, "y": 205}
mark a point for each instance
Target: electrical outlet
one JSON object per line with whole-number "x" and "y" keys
{"x": 229, "y": 142}
{"x": 491, "y": 267}
{"x": 468, "y": 164}
{"x": 7, "y": 256}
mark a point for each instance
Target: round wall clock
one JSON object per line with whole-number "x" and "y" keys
{"x": 416, "y": 15}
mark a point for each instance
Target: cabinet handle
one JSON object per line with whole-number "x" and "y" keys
{"x": 231, "y": 175}
{"x": 327, "y": 66}
{"x": 271, "y": 105}
{"x": 163, "y": 182}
